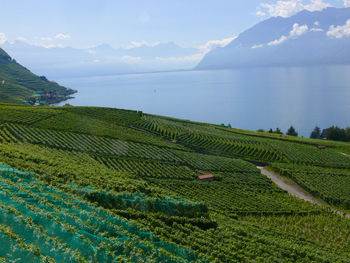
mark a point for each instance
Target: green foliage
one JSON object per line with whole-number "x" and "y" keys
{"x": 238, "y": 194}
{"x": 331, "y": 185}
{"x": 137, "y": 165}
{"x": 336, "y": 134}
{"x": 78, "y": 122}
{"x": 292, "y": 132}
{"x": 86, "y": 143}
{"x": 57, "y": 227}
{"x": 18, "y": 84}
{"x": 326, "y": 229}
{"x": 316, "y": 133}
{"x": 137, "y": 168}
{"x": 136, "y": 201}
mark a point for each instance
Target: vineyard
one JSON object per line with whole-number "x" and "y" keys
{"x": 213, "y": 139}
{"x": 46, "y": 224}
{"x": 87, "y": 184}
{"x": 331, "y": 185}
{"x": 84, "y": 143}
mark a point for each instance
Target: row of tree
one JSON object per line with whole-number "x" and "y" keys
{"x": 332, "y": 133}
{"x": 291, "y": 131}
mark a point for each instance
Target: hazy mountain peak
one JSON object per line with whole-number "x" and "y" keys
{"x": 302, "y": 39}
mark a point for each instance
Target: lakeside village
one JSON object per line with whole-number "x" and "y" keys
{"x": 49, "y": 97}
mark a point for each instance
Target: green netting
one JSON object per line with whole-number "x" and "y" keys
{"x": 11, "y": 251}
{"x": 57, "y": 225}
{"x": 137, "y": 201}
{"x": 8, "y": 169}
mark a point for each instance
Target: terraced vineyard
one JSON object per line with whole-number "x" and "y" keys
{"x": 237, "y": 195}
{"x": 24, "y": 115}
{"x": 213, "y": 139}
{"x": 148, "y": 168}
{"x": 43, "y": 223}
{"x": 109, "y": 185}
{"x": 84, "y": 143}
{"x": 331, "y": 185}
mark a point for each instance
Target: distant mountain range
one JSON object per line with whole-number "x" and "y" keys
{"x": 307, "y": 38}
{"x": 102, "y": 59}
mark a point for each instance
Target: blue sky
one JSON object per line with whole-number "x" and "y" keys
{"x": 190, "y": 23}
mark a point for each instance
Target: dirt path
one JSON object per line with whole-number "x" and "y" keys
{"x": 292, "y": 188}
{"x": 348, "y": 155}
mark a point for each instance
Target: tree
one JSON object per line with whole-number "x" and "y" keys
{"x": 334, "y": 133}
{"x": 316, "y": 133}
{"x": 292, "y": 132}
{"x": 278, "y": 131}
{"x": 43, "y": 78}
{"x": 347, "y": 133}
{"x": 270, "y": 131}
{"x": 260, "y": 130}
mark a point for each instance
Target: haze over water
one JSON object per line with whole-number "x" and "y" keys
{"x": 247, "y": 98}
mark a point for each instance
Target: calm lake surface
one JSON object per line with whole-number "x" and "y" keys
{"x": 248, "y": 99}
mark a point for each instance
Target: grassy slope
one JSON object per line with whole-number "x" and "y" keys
{"x": 127, "y": 151}
{"x": 20, "y": 83}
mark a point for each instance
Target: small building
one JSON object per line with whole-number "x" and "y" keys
{"x": 205, "y": 177}
{"x": 321, "y": 147}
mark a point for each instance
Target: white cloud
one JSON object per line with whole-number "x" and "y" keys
{"x": 288, "y": 8}
{"x": 260, "y": 13}
{"x": 92, "y": 52}
{"x": 45, "y": 38}
{"x": 195, "y": 57}
{"x": 51, "y": 45}
{"x": 96, "y": 61}
{"x": 135, "y": 44}
{"x": 347, "y": 3}
{"x": 258, "y": 46}
{"x": 211, "y": 44}
{"x": 298, "y": 30}
{"x": 61, "y": 36}
{"x": 277, "y": 41}
{"x": 23, "y": 39}
{"x": 315, "y": 29}
{"x": 131, "y": 59}
{"x": 3, "y": 38}
{"x": 339, "y": 31}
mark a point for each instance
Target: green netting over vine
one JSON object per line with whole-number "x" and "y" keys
{"x": 140, "y": 202}
{"x": 40, "y": 223}
{"x": 9, "y": 169}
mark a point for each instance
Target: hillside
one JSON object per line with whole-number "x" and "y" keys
{"x": 88, "y": 184}
{"x": 19, "y": 85}
{"x": 307, "y": 38}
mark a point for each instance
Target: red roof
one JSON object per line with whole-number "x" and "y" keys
{"x": 205, "y": 176}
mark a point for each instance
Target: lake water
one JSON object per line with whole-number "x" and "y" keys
{"x": 248, "y": 99}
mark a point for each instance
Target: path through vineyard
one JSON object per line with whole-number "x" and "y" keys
{"x": 292, "y": 188}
